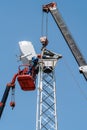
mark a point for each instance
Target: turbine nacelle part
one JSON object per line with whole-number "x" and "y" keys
{"x": 27, "y": 51}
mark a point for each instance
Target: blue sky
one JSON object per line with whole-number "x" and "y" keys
{"x": 21, "y": 20}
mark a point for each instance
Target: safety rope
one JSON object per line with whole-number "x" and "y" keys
{"x": 74, "y": 78}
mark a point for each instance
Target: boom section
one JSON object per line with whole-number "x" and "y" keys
{"x": 52, "y": 8}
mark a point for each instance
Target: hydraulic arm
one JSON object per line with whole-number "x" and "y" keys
{"x": 6, "y": 93}
{"x": 4, "y": 98}
{"x": 52, "y": 8}
{"x": 26, "y": 79}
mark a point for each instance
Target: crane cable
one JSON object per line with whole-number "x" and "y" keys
{"x": 42, "y": 25}
{"x": 74, "y": 78}
{"x": 12, "y": 103}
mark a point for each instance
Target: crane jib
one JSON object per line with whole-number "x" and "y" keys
{"x": 67, "y": 36}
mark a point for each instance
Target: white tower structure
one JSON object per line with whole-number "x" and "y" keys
{"x": 46, "y": 116}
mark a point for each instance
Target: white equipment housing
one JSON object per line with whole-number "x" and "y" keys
{"x": 27, "y": 51}
{"x": 83, "y": 68}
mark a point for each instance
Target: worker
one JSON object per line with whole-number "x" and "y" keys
{"x": 33, "y": 65}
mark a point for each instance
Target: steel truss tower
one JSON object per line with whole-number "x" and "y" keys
{"x": 46, "y": 118}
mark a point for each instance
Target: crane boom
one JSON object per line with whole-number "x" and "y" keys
{"x": 4, "y": 98}
{"x": 52, "y": 8}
